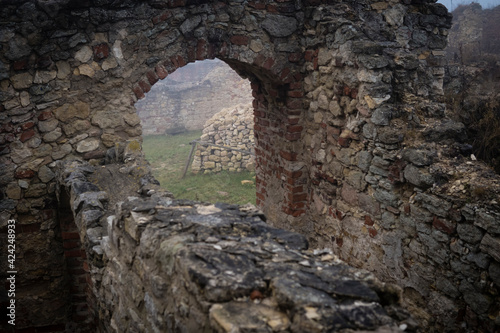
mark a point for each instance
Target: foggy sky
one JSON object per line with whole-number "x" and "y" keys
{"x": 452, "y": 4}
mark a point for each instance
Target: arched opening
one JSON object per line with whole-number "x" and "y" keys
{"x": 197, "y": 128}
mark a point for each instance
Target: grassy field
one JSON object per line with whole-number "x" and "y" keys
{"x": 168, "y": 155}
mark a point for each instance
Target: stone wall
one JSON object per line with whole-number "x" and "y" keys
{"x": 190, "y": 96}
{"x": 352, "y": 149}
{"x": 232, "y": 128}
{"x": 163, "y": 265}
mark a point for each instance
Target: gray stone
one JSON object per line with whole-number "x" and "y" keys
{"x": 87, "y": 145}
{"x": 20, "y": 155}
{"x": 22, "y": 81}
{"x": 7, "y": 204}
{"x": 280, "y": 26}
{"x": 48, "y": 125}
{"x": 381, "y": 116}
{"x": 190, "y": 24}
{"x": 44, "y": 76}
{"x": 36, "y": 191}
{"x": 418, "y": 177}
{"x": 447, "y": 287}
{"x": 491, "y": 245}
{"x": 387, "y": 198}
{"x": 364, "y": 160}
{"x": 63, "y": 69}
{"x": 18, "y": 48}
{"x": 488, "y": 221}
{"x": 419, "y": 157}
{"x": 469, "y": 233}
{"x": 478, "y": 302}
{"x": 53, "y": 136}
{"x": 45, "y": 174}
{"x": 494, "y": 272}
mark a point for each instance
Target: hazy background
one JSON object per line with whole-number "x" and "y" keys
{"x": 452, "y": 4}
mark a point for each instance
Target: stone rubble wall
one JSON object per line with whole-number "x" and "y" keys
{"x": 163, "y": 265}
{"x": 190, "y": 96}
{"x": 233, "y": 128}
{"x": 352, "y": 149}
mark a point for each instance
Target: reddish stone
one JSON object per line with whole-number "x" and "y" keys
{"x": 24, "y": 174}
{"x": 27, "y": 135}
{"x": 101, "y": 51}
{"x": 354, "y": 93}
{"x": 368, "y": 220}
{"x": 309, "y": 55}
{"x": 347, "y": 91}
{"x": 45, "y": 115}
{"x": 27, "y": 125}
{"x": 372, "y": 232}
{"x": 256, "y": 295}
{"x": 146, "y": 87}
{"x": 344, "y": 142}
{"x": 298, "y": 213}
{"x": 201, "y": 51}
{"x": 181, "y": 61}
{"x": 407, "y": 209}
{"x": 20, "y": 65}
{"x": 240, "y": 40}
{"x": 138, "y": 92}
{"x": 162, "y": 17}
{"x": 339, "y": 241}
{"x": 444, "y": 225}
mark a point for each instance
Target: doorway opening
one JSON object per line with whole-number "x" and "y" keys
{"x": 198, "y": 133}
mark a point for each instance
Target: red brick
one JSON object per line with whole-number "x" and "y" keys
{"x": 294, "y": 197}
{"x": 289, "y": 156}
{"x": 146, "y": 87}
{"x": 294, "y": 103}
{"x": 372, "y": 232}
{"x": 268, "y": 63}
{"x": 27, "y": 135}
{"x": 30, "y": 228}
{"x": 72, "y": 253}
{"x": 298, "y": 213}
{"x": 138, "y": 92}
{"x": 309, "y": 55}
{"x": 72, "y": 244}
{"x": 70, "y": 235}
{"x": 240, "y": 40}
{"x": 294, "y": 129}
{"x": 295, "y": 93}
{"x": 161, "y": 72}
{"x": 152, "y": 77}
{"x": 292, "y": 136}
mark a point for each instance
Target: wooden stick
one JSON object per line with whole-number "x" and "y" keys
{"x": 193, "y": 146}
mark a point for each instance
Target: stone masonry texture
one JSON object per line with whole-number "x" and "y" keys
{"x": 354, "y": 151}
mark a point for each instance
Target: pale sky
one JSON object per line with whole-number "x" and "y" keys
{"x": 452, "y": 4}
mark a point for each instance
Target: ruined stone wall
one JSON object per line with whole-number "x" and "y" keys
{"x": 232, "y": 128}
{"x": 351, "y": 148}
{"x": 163, "y": 265}
{"x": 191, "y": 96}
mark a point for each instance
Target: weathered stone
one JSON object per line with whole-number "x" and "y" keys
{"x": 87, "y": 145}
{"x": 36, "y": 191}
{"x": 488, "y": 221}
{"x": 18, "y": 48}
{"x": 494, "y": 271}
{"x": 190, "y": 24}
{"x": 418, "y": 177}
{"x": 279, "y": 26}
{"x": 86, "y": 70}
{"x": 84, "y": 54}
{"x": 79, "y": 110}
{"x": 45, "y": 174}
{"x": 48, "y": 125}
{"x": 491, "y": 245}
{"x": 22, "y": 81}
{"x": 469, "y": 233}
{"x": 419, "y": 157}
{"x": 44, "y": 76}
{"x": 76, "y": 126}
{"x": 13, "y": 191}
{"x": 53, "y": 136}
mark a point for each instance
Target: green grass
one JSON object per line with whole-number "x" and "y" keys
{"x": 168, "y": 155}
